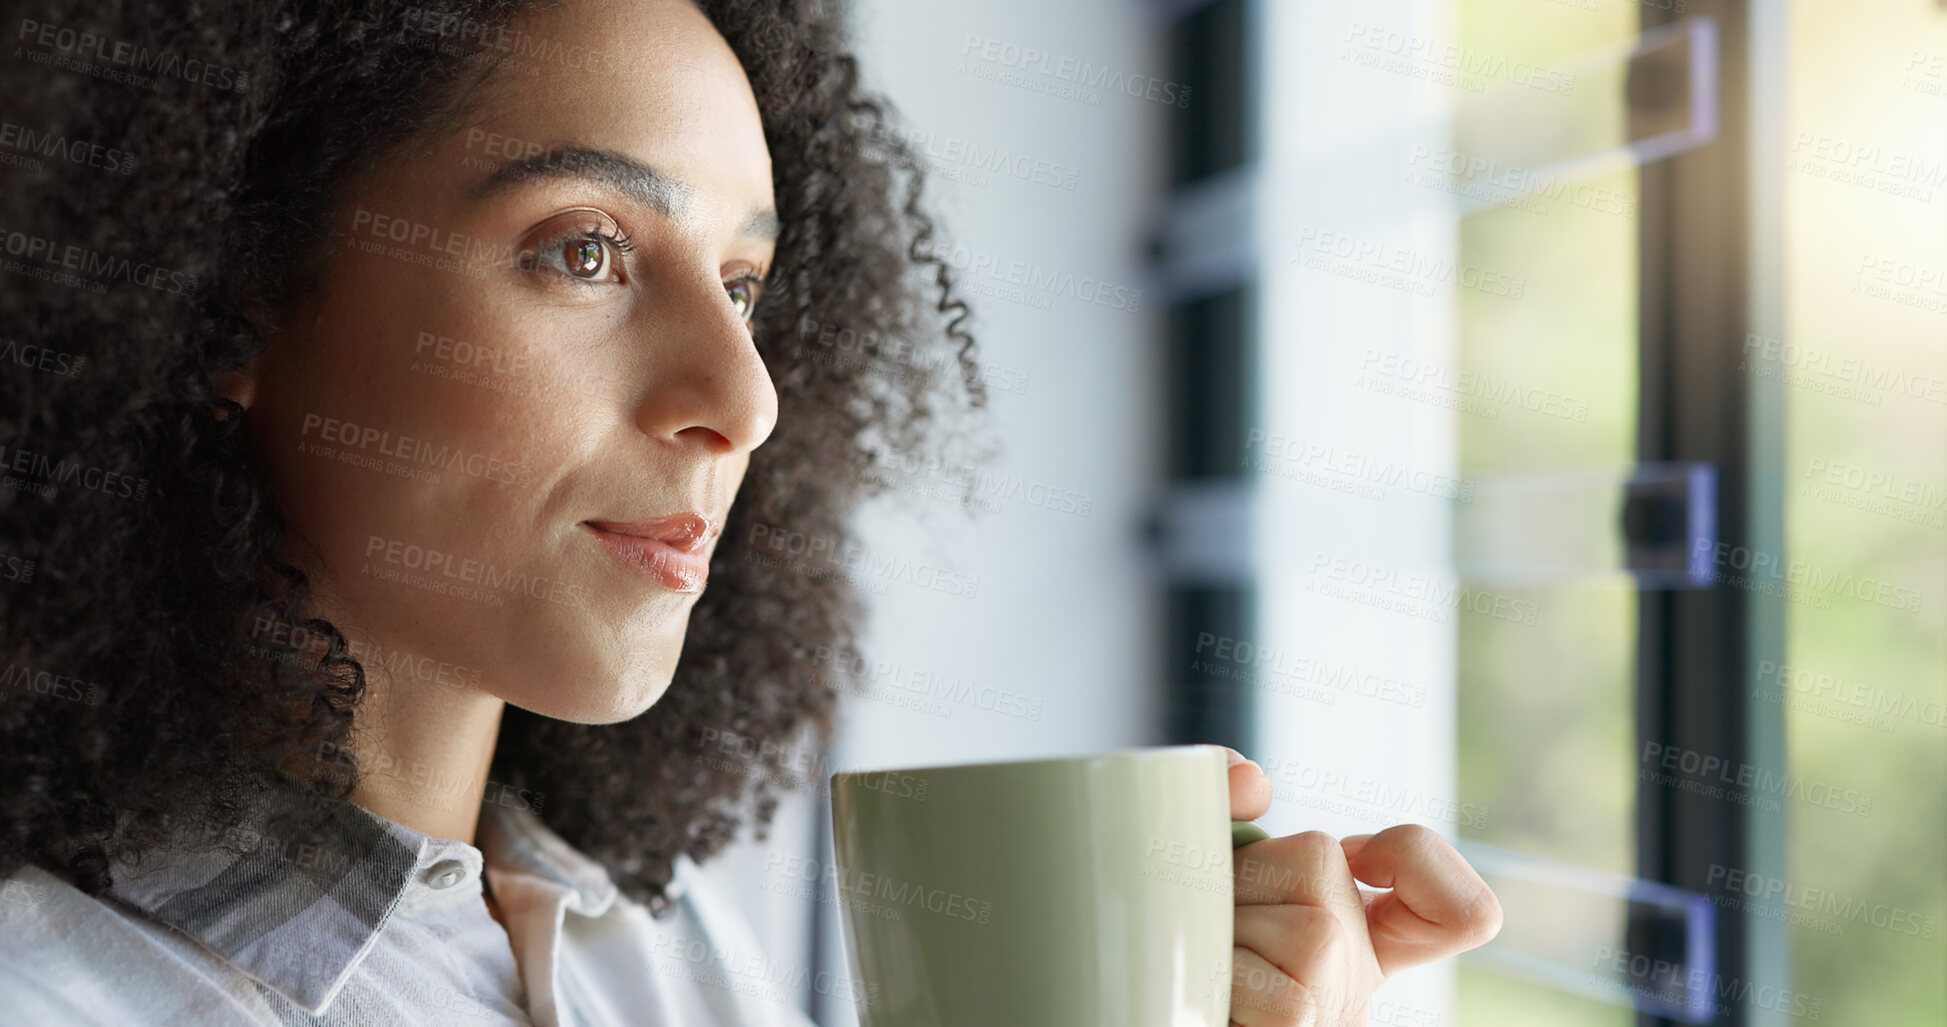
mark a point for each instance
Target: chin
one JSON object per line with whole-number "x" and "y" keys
{"x": 612, "y": 674}
{"x": 594, "y": 698}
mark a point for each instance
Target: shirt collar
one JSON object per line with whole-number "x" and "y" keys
{"x": 302, "y": 906}
{"x": 515, "y": 841}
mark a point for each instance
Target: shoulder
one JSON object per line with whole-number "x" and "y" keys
{"x": 69, "y": 959}
{"x": 703, "y": 961}
{"x": 772, "y": 985}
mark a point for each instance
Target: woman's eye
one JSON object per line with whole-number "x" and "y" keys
{"x": 583, "y": 257}
{"x": 743, "y": 295}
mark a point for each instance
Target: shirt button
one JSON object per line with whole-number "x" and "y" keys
{"x": 446, "y": 873}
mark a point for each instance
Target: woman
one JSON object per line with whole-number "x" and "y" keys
{"x": 399, "y": 378}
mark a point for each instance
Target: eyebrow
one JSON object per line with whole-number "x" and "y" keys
{"x": 659, "y": 191}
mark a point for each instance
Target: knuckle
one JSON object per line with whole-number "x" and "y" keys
{"x": 1287, "y": 1002}
{"x": 1313, "y": 936}
{"x": 1309, "y": 1008}
{"x": 1313, "y": 844}
{"x": 1312, "y": 920}
{"x": 1418, "y": 837}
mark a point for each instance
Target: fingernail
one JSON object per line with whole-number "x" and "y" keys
{"x": 1236, "y": 757}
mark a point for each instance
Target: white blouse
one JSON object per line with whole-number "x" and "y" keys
{"x": 372, "y": 923}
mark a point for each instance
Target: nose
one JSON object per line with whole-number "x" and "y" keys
{"x": 707, "y": 382}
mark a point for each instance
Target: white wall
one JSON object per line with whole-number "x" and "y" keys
{"x": 1347, "y": 573}
{"x": 1063, "y": 614}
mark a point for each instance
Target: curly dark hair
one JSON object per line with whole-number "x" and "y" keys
{"x": 158, "y": 213}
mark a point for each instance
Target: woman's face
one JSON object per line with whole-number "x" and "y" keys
{"x": 530, "y": 325}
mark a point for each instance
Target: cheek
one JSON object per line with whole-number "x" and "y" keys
{"x": 390, "y": 409}
{"x": 415, "y": 436}
{"x": 438, "y": 440}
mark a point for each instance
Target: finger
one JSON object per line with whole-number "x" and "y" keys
{"x": 1312, "y": 946}
{"x": 1250, "y": 787}
{"x": 1438, "y": 905}
{"x": 1351, "y": 844}
{"x": 1307, "y": 868}
{"x": 1261, "y": 995}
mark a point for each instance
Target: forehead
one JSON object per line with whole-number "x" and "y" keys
{"x": 649, "y": 80}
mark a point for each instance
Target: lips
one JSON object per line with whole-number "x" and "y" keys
{"x": 686, "y": 532}
{"x": 669, "y": 550}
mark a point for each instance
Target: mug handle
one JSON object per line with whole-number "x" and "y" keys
{"x": 1244, "y": 832}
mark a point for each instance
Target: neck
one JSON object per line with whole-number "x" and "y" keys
{"x": 423, "y": 751}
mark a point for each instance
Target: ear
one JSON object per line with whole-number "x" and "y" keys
{"x": 239, "y": 385}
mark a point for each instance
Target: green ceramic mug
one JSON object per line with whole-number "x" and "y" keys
{"x": 1066, "y": 892}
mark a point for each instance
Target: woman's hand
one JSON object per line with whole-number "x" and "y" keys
{"x": 1311, "y": 947}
